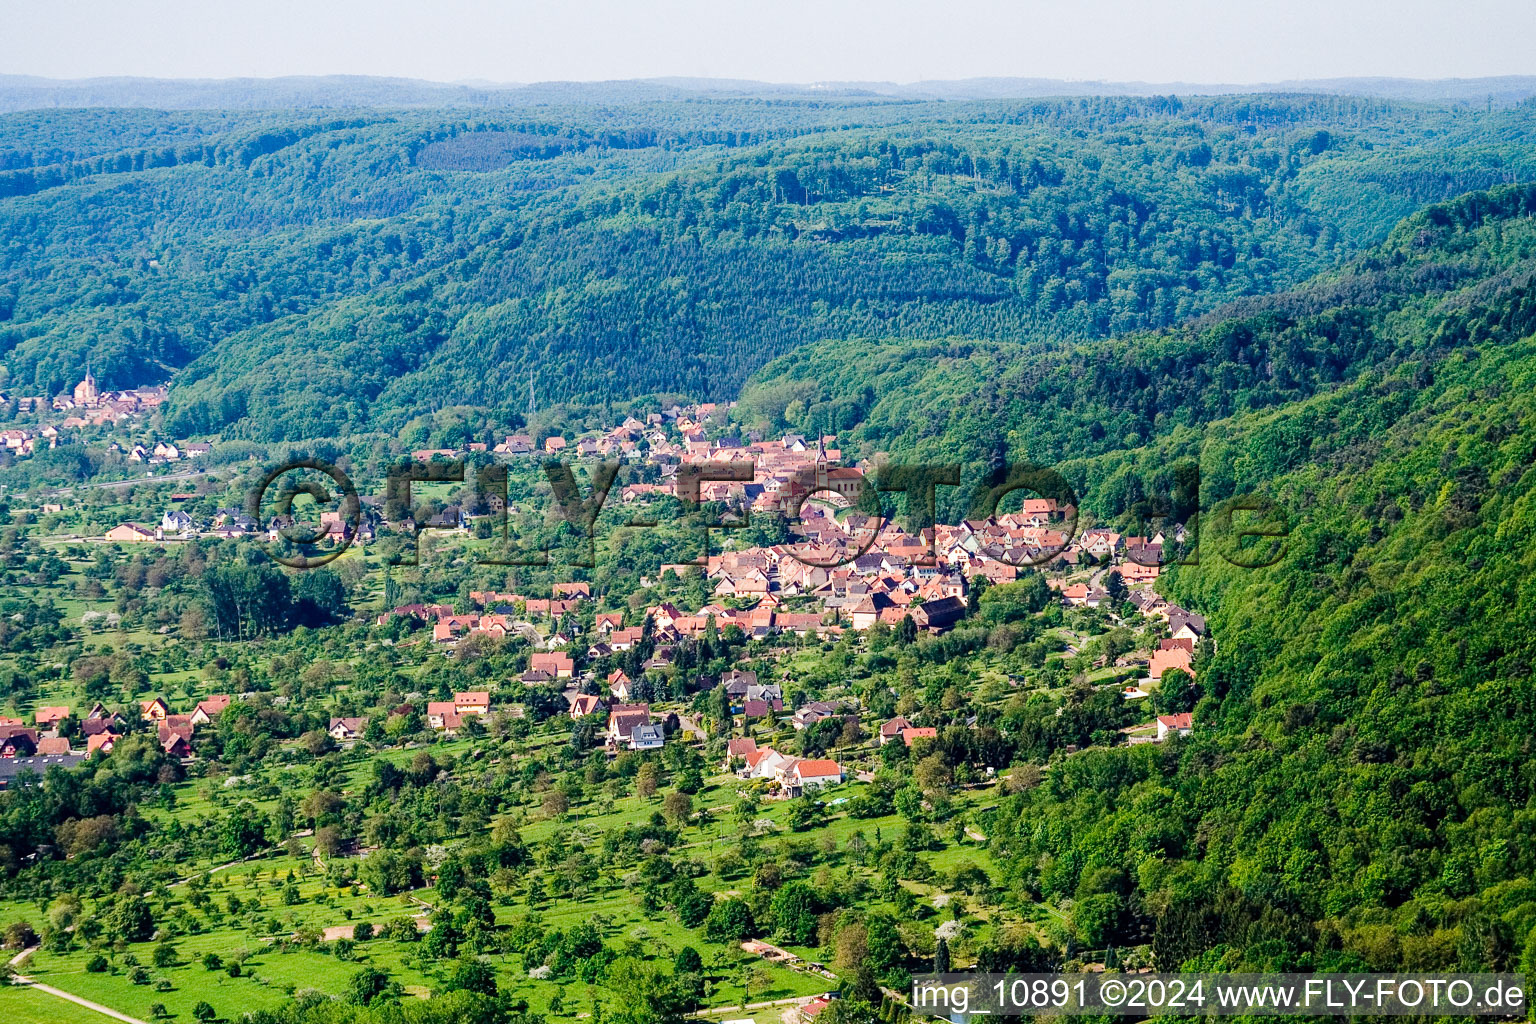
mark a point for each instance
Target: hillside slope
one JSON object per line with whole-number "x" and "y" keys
{"x": 323, "y": 274}
{"x": 1358, "y": 791}
{"x": 1361, "y": 791}
{"x": 1440, "y": 283}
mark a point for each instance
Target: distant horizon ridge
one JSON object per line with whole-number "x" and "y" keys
{"x": 23, "y": 92}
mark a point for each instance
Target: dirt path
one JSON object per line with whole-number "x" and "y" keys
{"x": 349, "y": 931}
{"x": 16, "y": 961}
{"x": 107, "y": 1010}
{"x": 792, "y": 1001}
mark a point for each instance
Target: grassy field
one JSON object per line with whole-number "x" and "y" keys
{"x": 271, "y": 975}
{"x": 21, "y": 1005}
{"x": 256, "y": 935}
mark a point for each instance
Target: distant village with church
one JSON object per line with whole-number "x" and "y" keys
{"x": 87, "y": 405}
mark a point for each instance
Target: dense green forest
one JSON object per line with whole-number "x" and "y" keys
{"x": 1382, "y": 320}
{"x": 1358, "y": 792}
{"x": 1365, "y": 797}
{"x": 316, "y": 275}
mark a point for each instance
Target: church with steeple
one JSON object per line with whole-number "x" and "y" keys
{"x": 86, "y": 392}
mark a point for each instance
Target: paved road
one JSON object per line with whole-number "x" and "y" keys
{"x": 113, "y": 485}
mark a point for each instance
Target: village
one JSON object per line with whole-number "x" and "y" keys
{"x": 840, "y": 571}
{"x": 88, "y": 405}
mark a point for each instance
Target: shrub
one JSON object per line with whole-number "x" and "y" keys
{"x": 96, "y": 964}
{"x": 19, "y": 935}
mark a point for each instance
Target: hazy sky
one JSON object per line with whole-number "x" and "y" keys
{"x": 774, "y": 40}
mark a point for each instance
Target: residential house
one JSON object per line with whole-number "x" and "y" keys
{"x": 207, "y": 710}
{"x": 472, "y": 702}
{"x": 867, "y": 611}
{"x": 765, "y": 763}
{"x": 1167, "y": 660}
{"x": 175, "y": 735}
{"x": 556, "y": 663}
{"x": 583, "y": 704}
{"x": 623, "y": 720}
{"x": 773, "y": 693}
{"x": 131, "y": 533}
{"x": 912, "y": 734}
{"x": 1133, "y": 573}
{"x": 176, "y": 521}
{"x": 97, "y": 726}
{"x": 738, "y": 683}
{"x": 1185, "y": 625}
{"x": 345, "y": 730}
{"x": 1183, "y": 724}
{"x": 815, "y": 711}
{"x": 443, "y": 714}
{"x": 50, "y": 717}
{"x": 810, "y": 773}
{"x": 646, "y": 737}
{"x": 17, "y": 741}
{"x": 154, "y": 710}
{"x": 892, "y": 730}
{"x": 738, "y": 747}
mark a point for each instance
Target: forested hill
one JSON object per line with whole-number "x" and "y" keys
{"x": 1387, "y": 318}
{"x": 324, "y": 274}
{"x": 1358, "y": 790}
